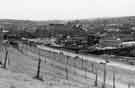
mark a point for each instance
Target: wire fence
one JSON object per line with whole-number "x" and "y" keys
{"x": 70, "y": 68}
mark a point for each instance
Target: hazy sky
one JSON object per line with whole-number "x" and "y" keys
{"x": 65, "y": 9}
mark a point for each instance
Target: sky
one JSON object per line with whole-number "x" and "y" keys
{"x": 65, "y": 9}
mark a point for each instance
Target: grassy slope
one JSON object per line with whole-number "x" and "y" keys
{"x": 15, "y": 80}
{"x": 53, "y": 78}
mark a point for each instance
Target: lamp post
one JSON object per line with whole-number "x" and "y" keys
{"x": 104, "y": 79}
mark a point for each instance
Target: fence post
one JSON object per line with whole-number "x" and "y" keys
{"x": 92, "y": 67}
{"x": 38, "y": 69}
{"x": 113, "y": 79}
{"x": 96, "y": 80}
{"x": 6, "y": 58}
{"x": 85, "y": 68}
{"x": 66, "y": 68}
{"x": 1, "y": 60}
{"x": 129, "y": 85}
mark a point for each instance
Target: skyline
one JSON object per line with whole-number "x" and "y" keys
{"x": 65, "y": 9}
